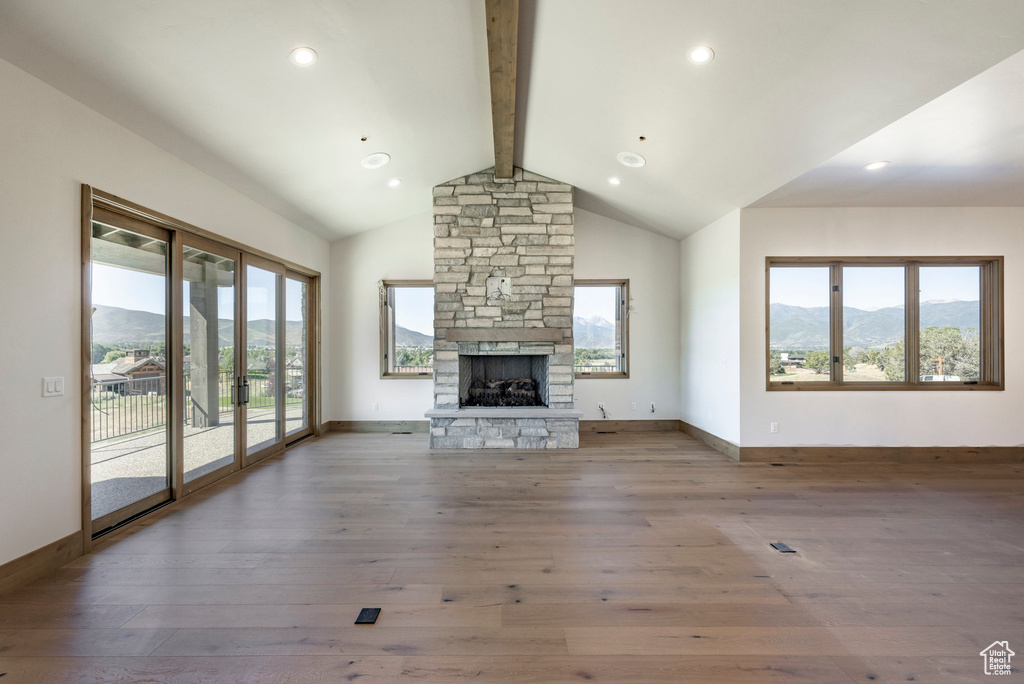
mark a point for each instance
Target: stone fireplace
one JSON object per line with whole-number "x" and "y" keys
{"x": 503, "y": 288}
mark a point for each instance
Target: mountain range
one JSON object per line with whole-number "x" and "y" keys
{"x": 806, "y": 328}
{"x": 593, "y": 333}
{"x": 410, "y": 338}
{"x": 112, "y": 325}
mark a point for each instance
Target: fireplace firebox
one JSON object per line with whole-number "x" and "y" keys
{"x": 503, "y": 380}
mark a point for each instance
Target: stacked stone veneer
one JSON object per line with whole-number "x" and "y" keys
{"x": 520, "y": 228}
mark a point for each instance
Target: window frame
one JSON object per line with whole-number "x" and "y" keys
{"x": 623, "y": 313}
{"x": 992, "y": 366}
{"x": 387, "y": 327}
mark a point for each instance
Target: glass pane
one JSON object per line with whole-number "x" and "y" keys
{"x": 209, "y": 361}
{"x": 129, "y": 372}
{"x": 798, "y": 322}
{"x": 412, "y": 333}
{"x": 874, "y": 324}
{"x": 950, "y": 313}
{"x": 296, "y": 356}
{"x": 262, "y": 425}
{"x": 597, "y": 329}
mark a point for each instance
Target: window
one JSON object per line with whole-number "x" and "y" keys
{"x": 600, "y": 328}
{"x": 875, "y": 323}
{"x": 407, "y": 329}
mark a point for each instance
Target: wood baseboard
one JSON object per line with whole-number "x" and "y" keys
{"x": 855, "y": 454}
{"x": 35, "y": 564}
{"x": 420, "y": 426}
{"x": 714, "y": 441}
{"x": 594, "y": 426}
{"x": 860, "y": 454}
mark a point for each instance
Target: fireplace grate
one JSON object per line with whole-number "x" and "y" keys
{"x": 509, "y": 392}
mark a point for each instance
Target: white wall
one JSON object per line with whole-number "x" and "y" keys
{"x": 880, "y": 418}
{"x": 710, "y": 328}
{"x": 50, "y": 145}
{"x": 604, "y": 249}
{"x": 401, "y": 251}
{"x": 609, "y": 249}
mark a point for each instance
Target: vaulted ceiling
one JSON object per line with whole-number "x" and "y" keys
{"x": 799, "y": 96}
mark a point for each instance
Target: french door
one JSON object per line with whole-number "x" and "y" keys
{"x": 200, "y": 363}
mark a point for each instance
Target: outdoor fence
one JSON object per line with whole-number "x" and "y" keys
{"x": 414, "y": 369}
{"x": 124, "y": 407}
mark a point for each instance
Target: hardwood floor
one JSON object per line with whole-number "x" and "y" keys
{"x": 641, "y": 557}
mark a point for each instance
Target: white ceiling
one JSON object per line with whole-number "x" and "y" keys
{"x": 964, "y": 148}
{"x": 793, "y": 85}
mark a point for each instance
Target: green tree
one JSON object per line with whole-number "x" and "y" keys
{"x": 775, "y": 366}
{"x": 817, "y": 361}
{"x": 227, "y": 359}
{"x": 851, "y": 357}
{"x": 959, "y": 351}
{"x": 113, "y": 355}
{"x": 892, "y": 362}
{"x": 99, "y": 351}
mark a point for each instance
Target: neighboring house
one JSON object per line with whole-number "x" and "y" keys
{"x": 129, "y": 374}
{"x": 792, "y": 360}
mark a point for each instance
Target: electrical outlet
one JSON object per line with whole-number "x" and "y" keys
{"x": 376, "y": 407}
{"x": 600, "y": 405}
{"x": 652, "y": 407}
{"x": 632, "y": 407}
{"x": 773, "y": 428}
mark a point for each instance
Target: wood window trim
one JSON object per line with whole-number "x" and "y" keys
{"x": 623, "y": 312}
{"x": 104, "y": 207}
{"x": 992, "y": 324}
{"x": 386, "y": 326}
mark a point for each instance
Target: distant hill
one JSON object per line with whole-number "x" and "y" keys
{"x": 593, "y": 333}
{"x": 410, "y": 338}
{"x": 797, "y": 327}
{"x": 112, "y": 325}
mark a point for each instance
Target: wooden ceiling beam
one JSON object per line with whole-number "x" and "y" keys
{"x": 502, "y": 36}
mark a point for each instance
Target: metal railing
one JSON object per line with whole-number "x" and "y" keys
{"x": 225, "y": 393}
{"x": 611, "y": 368}
{"x": 414, "y": 369}
{"x": 124, "y": 407}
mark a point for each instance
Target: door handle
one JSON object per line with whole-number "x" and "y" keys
{"x": 245, "y": 387}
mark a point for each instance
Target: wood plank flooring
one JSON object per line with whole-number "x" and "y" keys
{"x": 638, "y": 558}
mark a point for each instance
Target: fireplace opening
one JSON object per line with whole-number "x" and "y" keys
{"x": 503, "y": 380}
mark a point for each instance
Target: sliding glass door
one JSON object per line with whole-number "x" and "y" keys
{"x": 261, "y": 399}
{"x": 296, "y": 365}
{"x": 197, "y": 359}
{"x": 211, "y": 425}
{"x": 128, "y": 401}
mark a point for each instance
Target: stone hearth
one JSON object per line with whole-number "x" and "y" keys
{"x": 503, "y": 286}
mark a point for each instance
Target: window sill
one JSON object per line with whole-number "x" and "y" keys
{"x": 407, "y": 376}
{"x": 603, "y": 376}
{"x": 884, "y": 387}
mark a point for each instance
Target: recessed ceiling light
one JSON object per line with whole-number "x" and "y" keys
{"x": 303, "y": 56}
{"x": 614, "y": 181}
{"x": 394, "y": 182}
{"x": 874, "y": 166}
{"x": 375, "y": 160}
{"x": 631, "y": 159}
{"x": 701, "y": 54}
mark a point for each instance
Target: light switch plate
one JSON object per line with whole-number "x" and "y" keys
{"x": 53, "y": 387}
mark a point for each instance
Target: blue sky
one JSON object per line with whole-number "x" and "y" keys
{"x": 872, "y": 287}
{"x": 112, "y": 286}
{"x": 414, "y": 306}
